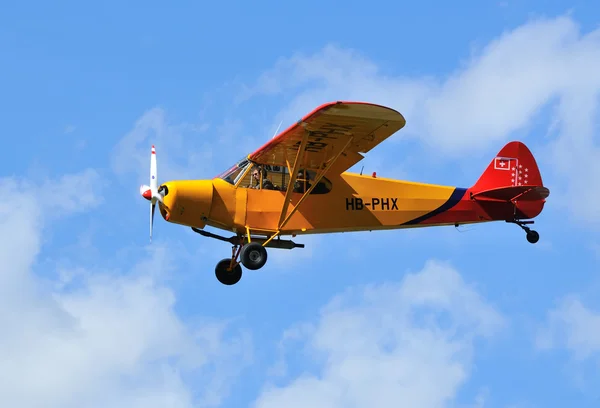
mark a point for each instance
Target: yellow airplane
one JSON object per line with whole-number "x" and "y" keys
{"x": 297, "y": 183}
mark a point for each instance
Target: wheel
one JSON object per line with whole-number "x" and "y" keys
{"x": 533, "y": 236}
{"x": 253, "y": 256}
{"x": 228, "y": 277}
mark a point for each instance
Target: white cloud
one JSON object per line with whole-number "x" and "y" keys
{"x": 411, "y": 341}
{"x": 335, "y": 74}
{"x": 93, "y": 338}
{"x": 574, "y": 326}
{"x": 178, "y": 156}
{"x": 495, "y": 96}
{"x": 74, "y": 193}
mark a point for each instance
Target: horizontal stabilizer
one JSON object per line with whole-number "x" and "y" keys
{"x": 519, "y": 193}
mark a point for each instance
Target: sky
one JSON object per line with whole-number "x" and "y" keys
{"x": 94, "y": 315}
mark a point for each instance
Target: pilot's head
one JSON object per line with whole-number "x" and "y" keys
{"x": 256, "y": 174}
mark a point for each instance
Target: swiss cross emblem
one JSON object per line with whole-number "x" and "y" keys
{"x": 502, "y": 163}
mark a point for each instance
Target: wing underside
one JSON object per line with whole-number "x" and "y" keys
{"x": 334, "y": 135}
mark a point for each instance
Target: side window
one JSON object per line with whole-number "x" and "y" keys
{"x": 306, "y": 178}
{"x": 278, "y": 178}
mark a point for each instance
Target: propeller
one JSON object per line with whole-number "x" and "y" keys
{"x": 151, "y": 192}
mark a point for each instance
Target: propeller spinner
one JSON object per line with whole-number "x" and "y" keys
{"x": 151, "y": 192}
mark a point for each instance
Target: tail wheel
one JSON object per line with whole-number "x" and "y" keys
{"x": 533, "y": 236}
{"x": 253, "y": 255}
{"x": 226, "y": 276}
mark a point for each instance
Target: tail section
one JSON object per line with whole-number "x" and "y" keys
{"x": 511, "y": 187}
{"x": 513, "y": 166}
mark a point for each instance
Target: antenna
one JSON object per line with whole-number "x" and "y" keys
{"x": 277, "y": 131}
{"x": 361, "y": 170}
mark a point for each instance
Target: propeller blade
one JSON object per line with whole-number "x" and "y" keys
{"x": 153, "y": 175}
{"x": 150, "y": 192}
{"x": 152, "y": 206}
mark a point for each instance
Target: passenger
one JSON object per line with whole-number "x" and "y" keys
{"x": 301, "y": 185}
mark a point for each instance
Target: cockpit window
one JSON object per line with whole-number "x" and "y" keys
{"x": 274, "y": 178}
{"x": 233, "y": 174}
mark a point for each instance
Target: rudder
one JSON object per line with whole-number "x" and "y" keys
{"x": 511, "y": 186}
{"x": 513, "y": 166}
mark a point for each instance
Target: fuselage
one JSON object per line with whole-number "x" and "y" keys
{"x": 353, "y": 203}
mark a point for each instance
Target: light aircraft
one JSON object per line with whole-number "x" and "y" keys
{"x": 297, "y": 183}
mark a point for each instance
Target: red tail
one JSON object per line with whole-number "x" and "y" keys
{"x": 513, "y": 166}
{"x": 511, "y": 177}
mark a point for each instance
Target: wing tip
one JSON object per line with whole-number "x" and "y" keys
{"x": 351, "y": 102}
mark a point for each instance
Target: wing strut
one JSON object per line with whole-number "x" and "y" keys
{"x": 318, "y": 178}
{"x": 293, "y": 176}
{"x": 315, "y": 182}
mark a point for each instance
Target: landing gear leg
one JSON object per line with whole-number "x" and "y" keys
{"x": 251, "y": 254}
{"x": 531, "y": 235}
{"x": 229, "y": 271}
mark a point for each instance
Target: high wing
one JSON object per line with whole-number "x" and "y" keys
{"x": 336, "y": 135}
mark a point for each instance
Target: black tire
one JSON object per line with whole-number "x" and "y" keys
{"x": 253, "y": 256}
{"x": 228, "y": 277}
{"x": 533, "y": 236}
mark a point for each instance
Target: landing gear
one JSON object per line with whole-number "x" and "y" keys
{"x": 253, "y": 256}
{"x": 531, "y": 235}
{"x": 227, "y": 275}
{"x": 229, "y": 271}
{"x": 250, "y": 252}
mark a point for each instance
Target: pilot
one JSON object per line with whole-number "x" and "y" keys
{"x": 301, "y": 185}
{"x": 266, "y": 183}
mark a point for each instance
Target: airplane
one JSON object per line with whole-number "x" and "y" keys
{"x": 297, "y": 183}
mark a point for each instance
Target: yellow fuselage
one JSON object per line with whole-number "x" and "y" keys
{"x": 355, "y": 203}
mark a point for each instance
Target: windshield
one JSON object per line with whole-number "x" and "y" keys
{"x": 232, "y": 174}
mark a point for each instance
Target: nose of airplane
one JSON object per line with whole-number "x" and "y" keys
{"x": 187, "y": 202}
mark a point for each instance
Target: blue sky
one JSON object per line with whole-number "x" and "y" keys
{"x": 94, "y": 316}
